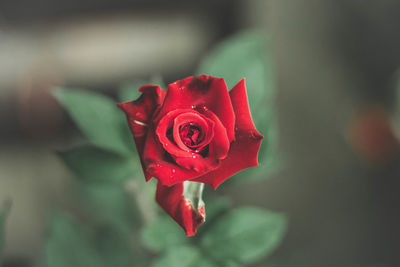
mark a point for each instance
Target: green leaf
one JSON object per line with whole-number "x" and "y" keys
{"x": 109, "y": 204}
{"x": 245, "y": 55}
{"x": 117, "y": 249}
{"x": 129, "y": 91}
{"x": 162, "y": 234}
{"x": 67, "y": 245}
{"x": 71, "y": 244}
{"x": 183, "y": 256}
{"x": 216, "y": 206}
{"x": 92, "y": 164}
{"x": 245, "y": 234}
{"x": 98, "y": 117}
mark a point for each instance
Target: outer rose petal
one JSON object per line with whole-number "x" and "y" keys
{"x": 244, "y": 150}
{"x": 219, "y": 146}
{"x": 172, "y": 200}
{"x": 158, "y": 165}
{"x": 139, "y": 114}
{"x": 201, "y": 91}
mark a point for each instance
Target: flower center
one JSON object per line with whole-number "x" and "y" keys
{"x": 190, "y": 135}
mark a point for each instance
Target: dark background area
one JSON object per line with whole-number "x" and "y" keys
{"x": 336, "y": 65}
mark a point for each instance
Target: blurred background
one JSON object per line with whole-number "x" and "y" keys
{"x": 335, "y": 68}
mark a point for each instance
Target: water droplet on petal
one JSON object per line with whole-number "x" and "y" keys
{"x": 173, "y": 170}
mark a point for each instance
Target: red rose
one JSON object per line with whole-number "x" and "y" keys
{"x": 196, "y": 131}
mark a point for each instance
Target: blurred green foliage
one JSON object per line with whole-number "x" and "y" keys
{"x": 67, "y": 245}
{"x": 98, "y": 118}
{"x": 241, "y": 235}
{"x": 162, "y": 234}
{"x": 244, "y": 234}
{"x": 96, "y": 165}
{"x": 243, "y": 56}
{"x": 72, "y": 244}
{"x": 109, "y": 205}
{"x": 103, "y": 166}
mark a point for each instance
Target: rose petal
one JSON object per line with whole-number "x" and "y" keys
{"x": 198, "y": 92}
{"x": 206, "y": 126}
{"x": 243, "y": 152}
{"x": 167, "y": 171}
{"x": 167, "y": 122}
{"x": 196, "y": 163}
{"x": 140, "y": 112}
{"x": 199, "y": 164}
{"x": 218, "y": 149}
{"x": 219, "y": 145}
{"x": 172, "y": 200}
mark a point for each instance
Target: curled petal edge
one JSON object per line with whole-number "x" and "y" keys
{"x": 183, "y": 203}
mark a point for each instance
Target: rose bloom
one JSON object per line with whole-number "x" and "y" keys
{"x": 195, "y": 133}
